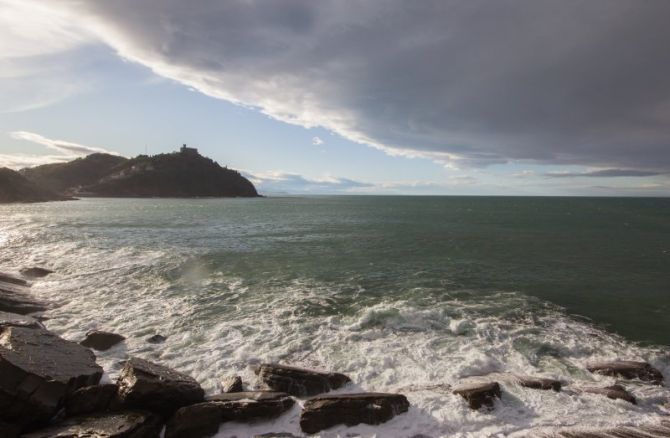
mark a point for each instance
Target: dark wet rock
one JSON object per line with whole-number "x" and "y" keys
{"x": 8, "y": 278}
{"x": 16, "y": 320}
{"x": 101, "y": 341}
{"x": 203, "y": 419}
{"x": 16, "y": 299}
{"x": 323, "y": 412}
{"x": 90, "y": 399}
{"x": 299, "y": 382}
{"x": 9, "y": 430}
{"x": 146, "y": 385}
{"x": 195, "y": 421}
{"x": 109, "y": 425}
{"x": 156, "y": 339}
{"x": 36, "y": 272}
{"x": 539, "y": 383}
{"x": 479, "y": 394}
{"x": 232, "y": 384}
{"x": 628, "y": 369}
{"x": 615, "y": 392}
{"x": 252, "y": 405}
{"x": 38, "y": 370}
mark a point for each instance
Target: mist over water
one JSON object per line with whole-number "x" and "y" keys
{"x": 400, "y": 293}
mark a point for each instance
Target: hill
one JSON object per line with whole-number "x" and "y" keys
{"x": 70, "y": 177}
{"x": 14, "y": 187}
{"x": 183, "y": 174}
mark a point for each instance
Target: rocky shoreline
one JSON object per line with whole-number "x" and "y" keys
{"x": 50, "y": 387}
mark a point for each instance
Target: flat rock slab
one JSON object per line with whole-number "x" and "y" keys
{"x": 232, "y": 384}
{"x": 9, "y": 278}
{"x": 300, "y": 382}
{"x": 324, "y": 412}
{"x": 101, "y": 341}
{"x": 38, "y": 370}
{"x": 15, "y": 298}
{"x": 479, "y": 394}
{"x": 91, "y": 399}
{"x": 16, "y": 320}
{"x": 615, "y": 392}
{"x": 203, "y": 419}
{"x": 628, "y": 369}
{"x": 539, "y": 383}
{"x": 662, "y": 429}
{"x": 146, "y": 385}
{"x": 111, "y": 425}
{"x": 36, "y": 272}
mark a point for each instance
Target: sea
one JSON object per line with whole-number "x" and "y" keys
{"x": 403, "y": 294}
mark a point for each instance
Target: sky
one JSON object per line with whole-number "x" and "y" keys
{"x": 433, "y": 97}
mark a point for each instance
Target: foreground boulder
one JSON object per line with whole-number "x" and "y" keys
{"x": 299, "y": 382}
{"x": 146, "y": 385}
{"x": 101, "y": 341}
{"x": 628, "y": 369}
{"x": 203, "y": 419}
{"x": 90, "y": 399}
{"x": 110, "y": 425}
{"x": 15, "y": 298}
{"x": 16, "y": 320}
{"x": 232, "y": 384}
{"x": 38, "y": 370}
{"x": 323, "y": 412}
{"x": 36, "y": 272}
{"x": 615, "y": 392}
{"x": 479, "y": 394}
{"x": 9, "y": 430}
{"x": 8, "y": 278}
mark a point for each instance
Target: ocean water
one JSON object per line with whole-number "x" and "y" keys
{"x": 408, "y": 294}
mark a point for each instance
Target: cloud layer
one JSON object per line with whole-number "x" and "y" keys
{"x": 463, "y": 82}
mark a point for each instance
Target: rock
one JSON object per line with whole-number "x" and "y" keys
{"x": 195, "y": 421}
{"x": 99, "y": 340}
{"x": 252, "y": 405}
{"x": 203, "y": 419}
{"x": 146, "y": 385}
{"x": 276, "y": 435}
{"x": 299, "y": 382}
{"x": 479, "y": 394}
{"x": 539, "y": 383}
{"x": 614, "y": 392}
{"x": 38, "y": 370}
{"x": 156, "y": 339}
{"x": 36, "y": 272}
{"x": 323, "y": 412}
{"x": 110, "y": 425}
{"x": 90, "y": 399}
{"x": 628, "y": 369}
{"x": 16, "y": 299}
{"x": 232, "y": 384}
{"x": 16, "y": 320}
{"x": 9, "y": 430}
{"x": 8, "y": 278}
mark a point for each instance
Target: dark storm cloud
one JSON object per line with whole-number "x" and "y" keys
{"x": 605, "y": 173}
{"x": 471, "y": 82}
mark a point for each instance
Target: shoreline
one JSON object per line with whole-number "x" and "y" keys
{"x": 483, "y": 392}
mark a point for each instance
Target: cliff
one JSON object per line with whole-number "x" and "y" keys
{"x": 16, "y": 188}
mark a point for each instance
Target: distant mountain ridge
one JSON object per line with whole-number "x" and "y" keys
{"x": 182, "y": 174}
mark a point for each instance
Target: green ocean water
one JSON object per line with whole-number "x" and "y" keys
{"x": 403, "y": 294}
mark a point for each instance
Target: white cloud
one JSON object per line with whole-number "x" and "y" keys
{"x": 284, "y": 182}
{"x": 316, "y": 141}
{"x": 67, "y": 151}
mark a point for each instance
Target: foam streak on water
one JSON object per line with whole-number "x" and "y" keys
{"x": 229, "y": 294}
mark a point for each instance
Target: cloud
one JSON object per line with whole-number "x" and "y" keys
{"x": 65, "y": 147}
{"x": 605, "y": 173}
{"x": 316, "y": 141}
{"x": 67, "y": 151}
{"x": 283, "y": 182}
{"x": 464, "y": 83}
